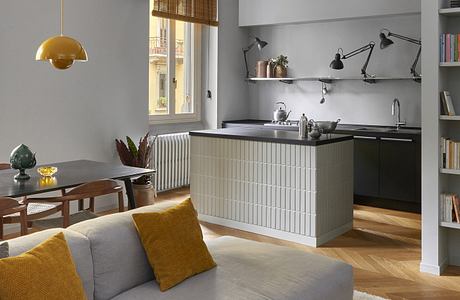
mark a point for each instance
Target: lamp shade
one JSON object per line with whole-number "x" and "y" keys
{"x": 61, "y": 52}
{"x": 384, "y": 41}
{"x": 260, "y": 43}
{"x": 337, "y": 63}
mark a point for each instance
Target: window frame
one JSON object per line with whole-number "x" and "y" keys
{"x": 172, "y": 116}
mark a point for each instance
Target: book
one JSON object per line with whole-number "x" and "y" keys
{"x": 443, "y": 48}
{"x": 448, "y": 47}
{"x": 444, "y": 110}
{"x": 456, "y": 202}
{"x": 449, "y": 103}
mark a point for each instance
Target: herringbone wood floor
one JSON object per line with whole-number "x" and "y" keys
{"x": 383, "y": 248}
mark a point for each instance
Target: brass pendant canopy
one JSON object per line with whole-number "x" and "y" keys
{"x": 61, "y": 51}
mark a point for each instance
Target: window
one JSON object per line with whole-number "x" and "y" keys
{"x": 174, "y": 71}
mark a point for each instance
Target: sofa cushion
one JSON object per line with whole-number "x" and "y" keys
{"x": 252, "y": 270}
{"x": 174, "y": 244}
{"x": 4, "y": 250}
{"x": 79, "y": 247}
{"x": 119, "y": 259}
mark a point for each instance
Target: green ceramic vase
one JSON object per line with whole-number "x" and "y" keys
{"x": 22, "y": 158}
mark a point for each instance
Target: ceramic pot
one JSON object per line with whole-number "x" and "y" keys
{"x": 144, "y": 194}
{"x": 261, "y": 69}
{"x": 280, "y": 71}
{"x": 21, "y": 158}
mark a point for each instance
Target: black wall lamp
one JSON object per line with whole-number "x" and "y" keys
{"x": 337, "y": 63}
{"x": 385, "y": 42}
{"x": 260, "y": 44}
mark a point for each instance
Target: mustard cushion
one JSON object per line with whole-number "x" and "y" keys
{"x": 44, "y": 272}
{"x": 174, "y": 244}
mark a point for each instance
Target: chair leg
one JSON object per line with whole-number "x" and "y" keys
{"x": 30, "y": 224}
{"x": 1, "y": 227}
{"x": 23, "y": 220}
{"x": 66, "y": 214}
{"x": 121, "y": 202}
{"x": 81, "y": 204}
{"x": 91, "y": 204}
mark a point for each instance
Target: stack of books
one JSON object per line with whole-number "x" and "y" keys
{"x": 449, "y": 47}
{"x": 450, "y": 154}
{"x": 454, "y": 3}
{"x": 450, "y": 208}
{"x": 447, "y": 106}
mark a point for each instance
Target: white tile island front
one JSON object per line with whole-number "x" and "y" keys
{"x": 274, "y": 183}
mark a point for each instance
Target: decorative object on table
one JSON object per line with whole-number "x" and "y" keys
{"x": 61, "y": 51}
{"x": 326, "y": 127}
{"x": 315, "y": 132}
{"x": 261, "y": 69}
{"x": 447, "y": 106}
{"x": 270, "y": 69}
{"x": 337, "y": 63}
{"x": 47, "y": 171}
{"x": 303, "y": 126}
{"x": 324, "y": 91}
{"x": 140, "y": 157}
{"x": 260, "y": 44}
{"x": 21, "y": 158}
{"x": 386, "y": 42}
{"x": 280, "y": 64}
{"x": 280, "y": 114}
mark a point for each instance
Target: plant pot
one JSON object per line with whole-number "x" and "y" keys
{"x": 280, "y": 71}
{"x": 144, "y": 194}
{"x": 261, "y": 69}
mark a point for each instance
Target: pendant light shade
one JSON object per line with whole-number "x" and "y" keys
{"x": 61, "y": 51}
{"x": 337, "y": 63}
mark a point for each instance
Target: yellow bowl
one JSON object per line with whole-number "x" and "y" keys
{"x": 47, "y": 171}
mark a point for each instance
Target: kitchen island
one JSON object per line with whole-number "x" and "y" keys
{"x": 274, "y": 183}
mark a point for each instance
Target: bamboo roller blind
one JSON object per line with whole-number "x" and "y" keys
{"x": 194, "y": 11}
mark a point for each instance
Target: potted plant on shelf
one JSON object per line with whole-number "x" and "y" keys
{"x": 140, "y": 157}
{"x": 280, "y": 64}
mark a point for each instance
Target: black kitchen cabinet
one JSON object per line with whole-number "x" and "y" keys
{"x": 398, "y": 171}
{"x": 366, "y": 166}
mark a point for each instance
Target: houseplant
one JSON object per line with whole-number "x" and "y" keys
{"x": 140, "y": 157}
{"x": 280, "y": 63}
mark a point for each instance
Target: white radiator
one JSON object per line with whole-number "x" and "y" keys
{"x": 171, "y": 158}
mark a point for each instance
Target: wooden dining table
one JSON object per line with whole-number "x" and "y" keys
{"x": 70, "y": 174}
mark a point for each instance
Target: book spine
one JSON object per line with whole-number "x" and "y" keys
{"x": 447, "y": 47}
{"x": 443, "y": 48}
{"x": 452, "y": 46}
{"x": 455, "y": 47}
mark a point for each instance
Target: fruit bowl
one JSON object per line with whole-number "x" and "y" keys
{"x": 47, "y": 171}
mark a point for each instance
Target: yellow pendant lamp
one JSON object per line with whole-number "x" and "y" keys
{"x": 61, "y": 51}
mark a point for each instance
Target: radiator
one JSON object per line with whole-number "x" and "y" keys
{"x": 171, "y": 158}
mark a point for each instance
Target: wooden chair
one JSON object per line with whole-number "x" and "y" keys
{"x": 10, "y": 206}
{"x": 89, "y": 191}
{"x": 34, "y": 211}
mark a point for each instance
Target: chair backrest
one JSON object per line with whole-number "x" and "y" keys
{"x": 5, "y": 166}
{"x": 93, "y": 189}
{"x": 9, "y": 206}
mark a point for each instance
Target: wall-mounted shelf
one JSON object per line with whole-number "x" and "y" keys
{"x": 328, "y": 79}
{"x": 449, "y": 118}
{"x": 450, "y": 225}
{"x": 450, "y": 12}
{"x": 450, "y": 171}
{"x": 449, "y": 64}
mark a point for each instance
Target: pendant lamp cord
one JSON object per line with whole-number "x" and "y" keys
{"x": 62, "y": 17}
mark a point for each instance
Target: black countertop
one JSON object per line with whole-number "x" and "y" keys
{"x": 272, "y": 136}
{"x": 356, "y": 130}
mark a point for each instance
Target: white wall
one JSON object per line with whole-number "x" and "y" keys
{"x": 270, "y": 12}
{"x": 310, "y": 49}
{"x": 77, "y": 113}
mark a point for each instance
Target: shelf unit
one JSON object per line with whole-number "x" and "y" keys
{"x": 449, "y": 64}
{"x": 450, "y": 12}
{"x": 328, "y": 79}
{"x": 450, "y": 225}
{"x": 449, "y": 171}
{"x": 449, "y": 118}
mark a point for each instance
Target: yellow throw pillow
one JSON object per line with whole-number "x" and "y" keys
{"x": 44, "y": 272}
{"x": 174, "y": 244}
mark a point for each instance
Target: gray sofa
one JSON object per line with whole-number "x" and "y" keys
{"x": 113, "y": 265}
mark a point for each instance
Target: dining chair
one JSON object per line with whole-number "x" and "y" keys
{"x": 9, "y": 206}
{"x": 90, "y": 191}
{"x": 34, "y": 211}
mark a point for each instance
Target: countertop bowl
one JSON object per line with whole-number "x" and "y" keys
{"x": 47, "y": 171}
{"x": 327, "y": 126}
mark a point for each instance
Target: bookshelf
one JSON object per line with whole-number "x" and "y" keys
{"x": 449, "y": 64}
{"x": 450, "y": 225}
{"x": 449, "y": 171}
{"x": 450, "y": 12}
{"x": 449, "y": 118}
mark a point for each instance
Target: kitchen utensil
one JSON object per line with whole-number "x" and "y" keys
{"x": 326, "y": 126}
{"x": 280, "y": 114}
{"x": 315, "y": 132}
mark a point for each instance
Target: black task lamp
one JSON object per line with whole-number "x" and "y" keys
{"x": 260, "y": 44}
{"x": 385, "y": 42}
{"x": 337, "y": 63}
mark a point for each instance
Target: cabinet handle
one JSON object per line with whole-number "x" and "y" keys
{"x": 397, "y": 140}
{"x": 359, "y": 137}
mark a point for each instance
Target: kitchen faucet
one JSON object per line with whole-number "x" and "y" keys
{"x": 398, "y": 122}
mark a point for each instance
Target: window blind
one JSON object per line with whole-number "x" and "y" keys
{"x": 194, "y": 11}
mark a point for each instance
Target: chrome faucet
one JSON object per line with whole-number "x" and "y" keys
{"x": 398, "y": 122}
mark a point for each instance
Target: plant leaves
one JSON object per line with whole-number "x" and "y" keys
{"x": 132, "y": 147}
